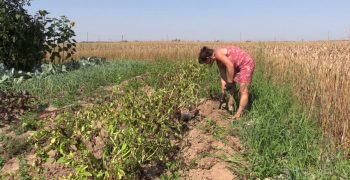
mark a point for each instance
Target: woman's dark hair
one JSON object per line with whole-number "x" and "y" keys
{"x": 204, "y": 54}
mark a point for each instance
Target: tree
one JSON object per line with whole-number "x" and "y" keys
{"x": 59, "y": 44}
{"x": 21, "y": 36}
{"x": 26, "y": 39}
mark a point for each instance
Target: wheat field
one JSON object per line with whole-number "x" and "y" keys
{"x": 317, "y": 71}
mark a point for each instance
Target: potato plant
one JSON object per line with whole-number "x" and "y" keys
{"x": 112, "y": 140}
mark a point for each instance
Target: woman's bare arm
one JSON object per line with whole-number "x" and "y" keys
{"x": 223, "y": 77}
{"x": 220, "y": 55}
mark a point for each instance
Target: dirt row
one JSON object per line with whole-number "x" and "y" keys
{"x": 209, "y": 149}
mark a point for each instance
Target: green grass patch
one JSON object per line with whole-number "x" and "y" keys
{"x": 2, "y": 161}
{"x": 211, "y": 127}
{"x": 282, "y": 141}
{"x": 67, "y": 88}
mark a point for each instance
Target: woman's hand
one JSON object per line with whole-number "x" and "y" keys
{"x": 229, "y": 86}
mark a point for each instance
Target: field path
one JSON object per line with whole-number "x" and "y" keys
{"x": 209, "y": 150}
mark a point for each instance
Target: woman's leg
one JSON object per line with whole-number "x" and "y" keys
{"x": 244, "y": 95}
{"x": 229, "y": 104}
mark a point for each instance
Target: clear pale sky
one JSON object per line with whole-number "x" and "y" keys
{"x": 226, "y": 20}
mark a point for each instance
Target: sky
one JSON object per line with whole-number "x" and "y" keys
{"x": 203, "y": 20}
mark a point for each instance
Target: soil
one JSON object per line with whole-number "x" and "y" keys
{"x": 204, "y": 155}
{"x": 11, "y": 166}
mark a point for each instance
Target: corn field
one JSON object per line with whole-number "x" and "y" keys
{"x": 317, "y": 71}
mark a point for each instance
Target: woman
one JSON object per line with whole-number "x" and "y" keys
{"x": 235, "y": 66}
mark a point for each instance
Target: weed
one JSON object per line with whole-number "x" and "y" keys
{"x": 23, "y": 169}
{"x": 17, "y": 145}
{"x": 211, "y": 127}
{"x": 172, "y": 171}
{"x": 2, "y": 162}
{"x": 29, "y": 122}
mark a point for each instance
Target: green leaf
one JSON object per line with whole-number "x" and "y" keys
{"x": 100, "y": 174}
{"x": 87, "y": 174}
{"x": 17, "y": 16}
{"x": 43, "y": 12}
{"x": 120, "y": 173}
{"x": 62, "y": 160}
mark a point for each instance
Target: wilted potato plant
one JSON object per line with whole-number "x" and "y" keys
{"x": 112, "y": 140}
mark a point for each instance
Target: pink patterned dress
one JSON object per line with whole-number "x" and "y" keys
{"x": 243, "y": 63}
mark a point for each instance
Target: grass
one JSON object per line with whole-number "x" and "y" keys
{"x": 282, "y": 141}
{"x": 23, "y": 169}
{"x": 68, "y": 88}
{"x": 217, "y": 131}
{"x": 2, "y": 161}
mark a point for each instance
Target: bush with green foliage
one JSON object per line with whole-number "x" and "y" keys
{"x": 26, "y": 39}
{"x": 21, "y": 36}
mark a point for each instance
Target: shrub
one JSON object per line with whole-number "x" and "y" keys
{"x": 21, "y": 36}
{"x": 26, "y": 39}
